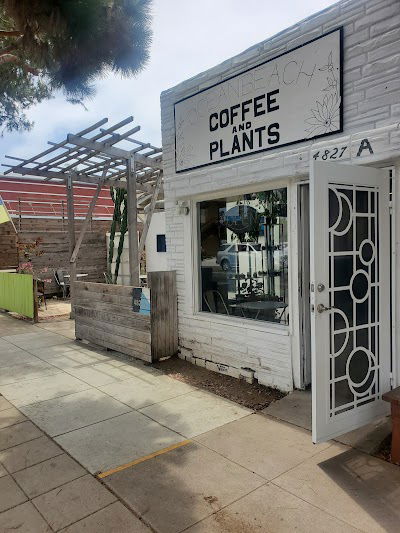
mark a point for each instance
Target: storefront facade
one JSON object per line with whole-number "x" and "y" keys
{"x": 281, "y": 214}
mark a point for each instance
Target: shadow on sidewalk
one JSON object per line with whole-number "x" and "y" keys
{"x": 371, "y": 483}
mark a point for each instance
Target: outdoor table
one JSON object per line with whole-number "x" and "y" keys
{"x": 261, "y": 305}
{"x": 393, "y": 397}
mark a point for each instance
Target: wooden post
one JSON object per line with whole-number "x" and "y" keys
{"x": 393, "y": 397}
{"x": 35, "y": 302}
{"x": 19, "y": 214}
{"x": 150, "y": 213}
{"x": 86, "y": 223}
{"x": 132, "y": 223}
{"x": 71, "y": 234}
{"x": 163, "y": 314}
{"x": 396, "y": 434}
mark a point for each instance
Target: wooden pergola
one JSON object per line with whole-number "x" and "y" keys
{"x": 103, "y": 156}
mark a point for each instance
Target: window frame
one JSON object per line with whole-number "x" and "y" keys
{"x": 164, "y": 242}
{"x": 220, "y": 318}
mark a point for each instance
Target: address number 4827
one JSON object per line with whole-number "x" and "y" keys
{"x": 332, "y": 153}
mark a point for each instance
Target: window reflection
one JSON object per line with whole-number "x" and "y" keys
{"x": 244, "y": 256}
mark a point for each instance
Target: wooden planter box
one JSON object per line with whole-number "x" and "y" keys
{"x": 105, "y": 315}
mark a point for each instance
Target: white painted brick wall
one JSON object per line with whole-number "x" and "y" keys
{"x": 371, "y": 109}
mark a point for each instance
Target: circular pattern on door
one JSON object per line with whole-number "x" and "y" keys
{"x": 360, "y": 286}
{"x": 367, "y": 252}
{"x": 360, "y": 370}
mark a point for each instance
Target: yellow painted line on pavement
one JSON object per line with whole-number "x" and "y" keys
{"x": 143, "y": 459}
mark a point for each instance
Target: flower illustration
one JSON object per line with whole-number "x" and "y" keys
{"x": 325, "y": 118}
{"x": 332, "y": 84}
{"x": 329, "y": 66}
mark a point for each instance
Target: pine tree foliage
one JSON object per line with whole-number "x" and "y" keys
{"x": 66, "y": 45}
{"x": 18, "y": 91}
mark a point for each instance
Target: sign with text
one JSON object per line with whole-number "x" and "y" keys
{"x": 141, "y": 300}
{"x": 294, "y": 97}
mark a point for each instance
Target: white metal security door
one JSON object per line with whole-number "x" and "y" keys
{"x": 350, "y": 296}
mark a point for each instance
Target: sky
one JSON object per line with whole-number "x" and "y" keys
{"x": 189, "y": 36}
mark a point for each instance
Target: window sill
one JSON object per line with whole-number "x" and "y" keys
{"x": 255, "y": 325}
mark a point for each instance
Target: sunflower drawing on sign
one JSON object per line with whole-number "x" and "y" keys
{"x": 325, "y": 116}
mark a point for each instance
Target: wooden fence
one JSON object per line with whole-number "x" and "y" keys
{"x": 18, "y": 294}
{"x": 104, "y": 315}
{"x": 92, "y": 258}
{"x": 8, "y": 246}
{"x": 54, "y": 245}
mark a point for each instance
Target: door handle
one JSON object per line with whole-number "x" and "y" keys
{"x": 321, "y": 308}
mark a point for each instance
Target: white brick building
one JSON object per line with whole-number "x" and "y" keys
{"x": 232, "y": 335}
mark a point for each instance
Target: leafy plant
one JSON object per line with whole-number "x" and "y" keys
{"x": 48, "y": 45}
{"x": 27, "y": 250}
{"x": 120, "y": 220}
{"x": 28, "y": 268}
{"x": 117, "y": 197}
{"x": 26, "y": 253}
{"x": 123, "y": 230}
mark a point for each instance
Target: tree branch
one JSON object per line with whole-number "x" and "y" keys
{"x": 11, "y": 58}
{"x": 8, "y": 58}
{"x": 7, "y": 49}
{"x": 11, "y": 33}
{"x": 31, "y": 70}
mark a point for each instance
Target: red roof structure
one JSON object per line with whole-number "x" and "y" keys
{"x": 28, "y": 197}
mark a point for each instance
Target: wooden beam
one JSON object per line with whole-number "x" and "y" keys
{"x": 147, "y": 187}
{"x": 113, "y": 151}
{"x": 68, "y": 151}
{"x": 150, "y": 213}
{"x": 71, "y": 234}
{"x": 144, "y": 199}
{"x": 108, "y": 182}
{"x": 102, "y": 133}
{"x": 158, "y": 207}
{"x": 85, "y": 223}
{"x": 80, "y": 178}
{"x": 33, "y": 172}
{"x": 63, "y": 143}
{"x": 132, "y": 223}
{"x": 115, "y": 137}
{"x": 93, "y": 167}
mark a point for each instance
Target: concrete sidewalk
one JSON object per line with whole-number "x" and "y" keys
{"x": 43, "y": 489}
{"x": 179, "y": 458}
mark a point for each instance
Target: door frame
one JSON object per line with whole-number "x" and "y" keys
{"x": 325, "y": 428}
{"x": 303, "y": 271}
{"x": 394, "y": 264}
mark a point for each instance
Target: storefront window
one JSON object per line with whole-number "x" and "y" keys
{"x": 244, "y": 256}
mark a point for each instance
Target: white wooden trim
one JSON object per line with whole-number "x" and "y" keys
{"x": 294, "y": 318}
{"x": 322, "y": 174}
{"x": 192, "y": 266}
{"x": 238, "y": 190}
{"x": 396, "y": 273}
